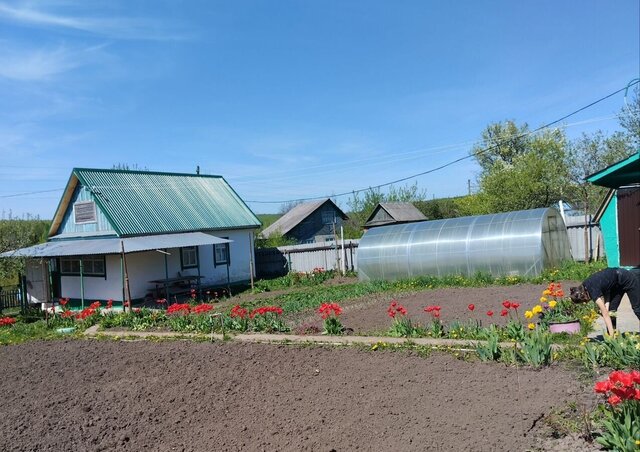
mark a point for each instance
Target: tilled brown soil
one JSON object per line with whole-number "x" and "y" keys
{"x": 164, "y": 396}
{"x": 369, "y": 315}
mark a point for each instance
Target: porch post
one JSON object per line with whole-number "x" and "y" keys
{"x": 122, "y": 279}
{"x": 228, "y": 278}
{"x": 198, "y": 284}
{"x": 50, "y": 297}
{"x": 81, "y": 284}
{"x": 166, "y": 276}
{"x": 126, "y": 279}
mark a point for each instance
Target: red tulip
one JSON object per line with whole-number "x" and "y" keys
{"x": 506, "y": 304}
{"x": 489, "y": 313}
{"x": 614, "y": 400}
{"x": 471, "y": 307}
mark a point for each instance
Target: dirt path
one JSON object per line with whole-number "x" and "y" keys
{"x": 102, "y": 395}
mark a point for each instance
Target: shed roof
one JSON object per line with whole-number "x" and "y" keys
{"x": 145, "y": 202}
{"x": 401, "y": 212}
{"x": 295, "y": 216}
{"x": 624, "y": 172}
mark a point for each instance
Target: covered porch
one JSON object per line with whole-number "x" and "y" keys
{"x": 125, "y": 270}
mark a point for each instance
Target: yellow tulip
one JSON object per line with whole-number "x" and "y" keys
{"x": 537, "y": 309}
{"x": 528, "y": 314}
{"x": 546, "y": 292}
{"x": 553, "y": 303}
{"x": 531, "y": 326}
{"x": 543, "y": 299}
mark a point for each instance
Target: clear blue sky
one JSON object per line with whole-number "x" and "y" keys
{"x": 290, "y": 99}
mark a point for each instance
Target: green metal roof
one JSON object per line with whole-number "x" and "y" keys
{"x": 625, "y": 172}
{"x": 144, "y": 202}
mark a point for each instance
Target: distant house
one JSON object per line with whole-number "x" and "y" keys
{"x": 164, "y": 232}
{"x": 619, "y": 214}
{"x": 309, "y": 222}
{"x": 394, "y": 213}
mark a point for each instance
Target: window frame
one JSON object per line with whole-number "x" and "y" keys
{"x": 227, "y": 261}
{"x": 184, "y": 266}
{"x": 75, "y": 259}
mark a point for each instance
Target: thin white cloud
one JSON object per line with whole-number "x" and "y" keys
{"x": 112, "y": 27}
{"x": 25, "y": 64}
{"x": 36, "y": 65}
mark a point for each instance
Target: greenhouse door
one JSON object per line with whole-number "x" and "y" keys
{"x": 629, "y": 226}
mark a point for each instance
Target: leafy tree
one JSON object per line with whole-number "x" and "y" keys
{"x": 629, "y": 118}
{"x": 501, "y": 142}
{"x": 274, "y": 240}
{"x": 590, "y": 154}
{"x": 535, "y": 177}
{"x": 16, "y": 234}
{"x": 438, "y": 209}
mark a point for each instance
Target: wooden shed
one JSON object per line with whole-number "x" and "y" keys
{"x": 387, "y": 213}
{"x": 619, "y": 214}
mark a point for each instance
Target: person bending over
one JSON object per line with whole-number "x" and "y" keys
{"x": 606, "y": 288}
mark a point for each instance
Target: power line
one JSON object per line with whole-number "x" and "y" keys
{"x": 386, "y": 157}
{"x": 15, "y": 195}
{"x": 480, "y": 152}
{"x": 475, "y": 154}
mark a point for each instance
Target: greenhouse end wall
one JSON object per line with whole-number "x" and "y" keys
{"x": 506, "y": 244}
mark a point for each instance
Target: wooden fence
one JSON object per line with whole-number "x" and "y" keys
{"x": 273, "y": 262}
{"x": 585, "y": 238}
{"x": 10, "y": 297}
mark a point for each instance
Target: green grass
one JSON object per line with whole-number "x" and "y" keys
{"x": 23, "y": 332}
{"x": 313, "y": 296}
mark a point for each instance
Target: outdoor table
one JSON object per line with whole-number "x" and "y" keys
{"x": 190, "y": 282}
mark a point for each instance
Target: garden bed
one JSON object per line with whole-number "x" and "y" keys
{"x": 369, "y": 315}
{"x": 90, "y": 395}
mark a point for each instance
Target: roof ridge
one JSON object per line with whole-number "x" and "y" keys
{"x": 157, "y": 173}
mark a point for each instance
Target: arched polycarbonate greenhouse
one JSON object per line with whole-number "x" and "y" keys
{"x": 514, "y": 243}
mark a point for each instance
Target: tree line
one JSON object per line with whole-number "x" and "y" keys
{"x": 16, "y": 234}
{"x": 520, "y": 169}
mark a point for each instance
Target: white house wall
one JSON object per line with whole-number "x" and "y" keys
{"x": 241, "y": 253}
{"x": 96, "y": 287}
{"x": 147, "y": 266}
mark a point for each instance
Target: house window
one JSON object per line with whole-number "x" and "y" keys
{"x": 189, "y": 257}
{"x": 91, "y": 266}
{"x": 221, "y": 254}
{"x": 328, "y": 217}
{"x": 84, "y": 212}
